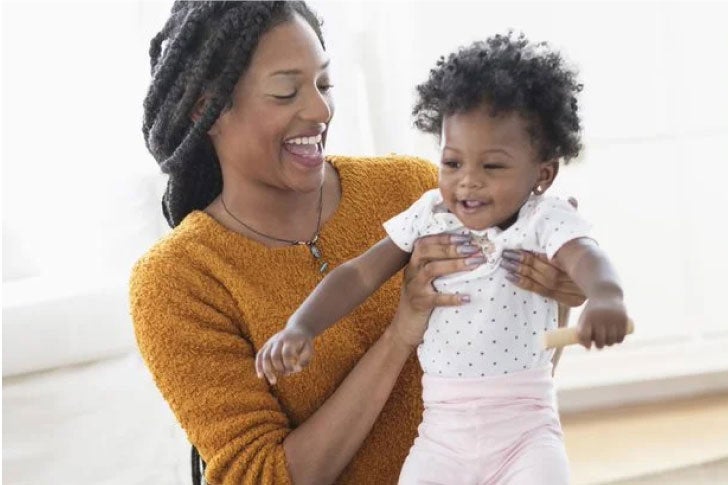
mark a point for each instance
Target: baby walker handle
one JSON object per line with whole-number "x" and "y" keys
{"x": 562, "y": 337}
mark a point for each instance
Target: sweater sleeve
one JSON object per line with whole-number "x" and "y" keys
{"x": 185, "y": 326}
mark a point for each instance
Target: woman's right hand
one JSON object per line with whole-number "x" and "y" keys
{"x": 432, "y": 257}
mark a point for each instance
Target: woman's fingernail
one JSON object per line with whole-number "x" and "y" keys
{"x": 467, "y": 249}
{"x": 511, "y": 277}
{"x": 511, "y": 255}
{"x": 459, "y": 238}
{"x": 475, "y": 261}
{"x": 464, "y": 299}
{"x": 508, "y": 266}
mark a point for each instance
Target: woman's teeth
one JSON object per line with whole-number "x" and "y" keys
{"x": 305, "y": 140}
{"x": 472, "y": 203}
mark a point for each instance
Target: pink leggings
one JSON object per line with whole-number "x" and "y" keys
{"x": 488, "y": 431}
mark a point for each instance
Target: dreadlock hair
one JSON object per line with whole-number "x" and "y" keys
{"x": 510, "y": 74}
{"x": 203, "y": 49}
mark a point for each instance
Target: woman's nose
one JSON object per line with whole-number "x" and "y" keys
{"x": 318, "y": 107}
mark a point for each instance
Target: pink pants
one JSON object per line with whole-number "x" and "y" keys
{"x": 491, "y": 430}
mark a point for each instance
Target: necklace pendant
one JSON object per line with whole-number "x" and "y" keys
{"x": 487, "y": 247}
{"x": 324, "y": 267}
{"x": 315, "y": 251}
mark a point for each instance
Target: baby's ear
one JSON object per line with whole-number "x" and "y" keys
{"x": 547, "y": 172}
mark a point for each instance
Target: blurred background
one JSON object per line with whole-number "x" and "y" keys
{"x": 81, "y": 202}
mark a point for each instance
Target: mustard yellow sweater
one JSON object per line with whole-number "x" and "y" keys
{"x": 204, "y": 299}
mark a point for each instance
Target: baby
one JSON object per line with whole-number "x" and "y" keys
{"x": 505, "y": 112}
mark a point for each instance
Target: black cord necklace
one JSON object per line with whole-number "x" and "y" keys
{"x": 312, "y": 244}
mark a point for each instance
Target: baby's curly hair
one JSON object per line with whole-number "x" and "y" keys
{"x": 509, "y": 73}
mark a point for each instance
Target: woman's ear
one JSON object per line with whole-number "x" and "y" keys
{"x": 547, "y": 172}
{"x": 199, "y": 109}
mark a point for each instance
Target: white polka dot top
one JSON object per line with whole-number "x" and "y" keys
{"x": 500, "y": 330}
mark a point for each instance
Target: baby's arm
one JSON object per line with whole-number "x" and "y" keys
{"x": 348, "y": 286}
{"x": 340, "y": 292}
{"x": 604, "y": 319}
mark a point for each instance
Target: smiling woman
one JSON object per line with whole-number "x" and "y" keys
{"x": 284, "y": 79}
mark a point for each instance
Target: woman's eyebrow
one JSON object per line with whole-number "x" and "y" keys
{"x": 298, "y": 72}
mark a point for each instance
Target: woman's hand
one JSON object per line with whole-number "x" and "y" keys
{"x": 433, "y": 256}
{"x": 534, "y": 272}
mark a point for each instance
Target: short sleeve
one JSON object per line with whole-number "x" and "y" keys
{"x": 555, "y": 222}
{"x": 406, "y": 227}
{"x": 189, "y": 337}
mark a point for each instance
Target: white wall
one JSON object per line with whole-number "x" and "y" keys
{"x": 77, "y": 187}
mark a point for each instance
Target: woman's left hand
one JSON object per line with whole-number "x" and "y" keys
{"x": 534, "y": 272}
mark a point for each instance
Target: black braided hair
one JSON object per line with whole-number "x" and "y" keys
{"x": 511, "y": 74}
{"x": 203, "y": 48}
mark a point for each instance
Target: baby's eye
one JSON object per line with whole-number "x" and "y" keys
{"x": 451, "y": 163}
{"x": 493, "y": 166}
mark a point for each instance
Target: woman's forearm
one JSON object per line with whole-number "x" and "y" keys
{"x": 318, "y": 450}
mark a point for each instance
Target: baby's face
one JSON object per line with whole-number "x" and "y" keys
{"x": 488, "y": 167}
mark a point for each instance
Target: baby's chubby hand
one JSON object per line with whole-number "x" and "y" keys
{"x": 603, "y": 322}
{"x": 286, "y": 352}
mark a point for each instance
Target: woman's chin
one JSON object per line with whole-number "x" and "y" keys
{"x": 306, "y": 182}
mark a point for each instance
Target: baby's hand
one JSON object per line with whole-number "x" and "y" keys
{"x": 284, "y": 353}
{"x": 603, "y": 321}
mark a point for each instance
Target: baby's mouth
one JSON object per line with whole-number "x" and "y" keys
{"x": 471, "y": 204}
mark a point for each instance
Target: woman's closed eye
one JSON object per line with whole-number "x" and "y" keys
{"x": 493, "y": 166}
{"x": 324, "y": 89}
{"x": 285, "y": 96}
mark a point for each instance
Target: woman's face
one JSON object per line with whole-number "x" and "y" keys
{"x": 275, "y": 131}
{"x": 489, "y": 167}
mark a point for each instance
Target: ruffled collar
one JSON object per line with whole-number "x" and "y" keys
{"x": 492, "y": 240}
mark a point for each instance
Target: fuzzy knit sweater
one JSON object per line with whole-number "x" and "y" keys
{"x": 204, "y": 299}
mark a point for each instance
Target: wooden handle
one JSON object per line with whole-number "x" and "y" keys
{"x": 562, "y": 337}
